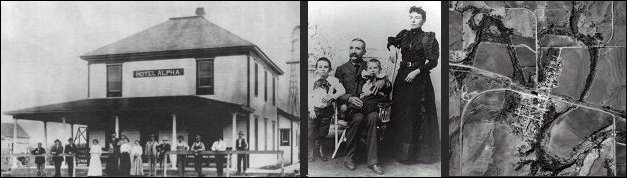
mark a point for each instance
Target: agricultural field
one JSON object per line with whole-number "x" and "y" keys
{"x": 537, "y": 88}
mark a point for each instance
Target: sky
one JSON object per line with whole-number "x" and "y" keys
{"x": 340, "y": 22}
{"x": 42, "y": 41}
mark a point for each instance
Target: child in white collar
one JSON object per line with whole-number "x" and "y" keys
{"x": 370, "y": 98}
{"x": 323, "y": 89}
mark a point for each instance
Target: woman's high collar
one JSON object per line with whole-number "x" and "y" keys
{"x": 415, "y": 30}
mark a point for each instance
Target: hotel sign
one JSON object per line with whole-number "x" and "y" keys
{"x": 157, "y": 73}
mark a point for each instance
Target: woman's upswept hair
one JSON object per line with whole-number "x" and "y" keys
{"x": 419, "y": 11}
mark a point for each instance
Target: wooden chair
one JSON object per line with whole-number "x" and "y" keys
{"x": 383, "y": 116}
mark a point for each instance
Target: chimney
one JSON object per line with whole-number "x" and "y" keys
{"x": 200, "y": 12}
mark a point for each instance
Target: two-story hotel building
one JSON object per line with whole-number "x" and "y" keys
{"x": 184, "y": 77}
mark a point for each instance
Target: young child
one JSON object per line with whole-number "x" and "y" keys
{"x": 323, "y": 89}
{"x": 368, "y": 96}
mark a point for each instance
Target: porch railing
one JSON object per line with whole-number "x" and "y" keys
{"x": 228, "y": 155}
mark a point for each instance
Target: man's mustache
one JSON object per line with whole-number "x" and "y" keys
{"x": 353, "y": 55}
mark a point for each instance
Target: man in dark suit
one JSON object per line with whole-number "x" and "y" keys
{"x": 39, "y": 160}
{"x": 349, "y": 75}
{"x": 70, "y": 149}
{"x": 57, "y": 158}
{"x": 241, "y": 145}
{"x": 161, "y": 150}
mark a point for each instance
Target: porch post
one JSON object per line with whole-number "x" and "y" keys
{"x": 64, "y": 124}
{"x": 173, "y": 145}
{"x": 234, "y": 140}
{"x": 117, "y": 125}
{"x": 72, "y": 133}
{"x": 14, "y": 159}
{"x": 292, "y": 139}
{"x": 234, "y": 132}
{"x": 46, "y": 134}
{"x": 74, "y": 160}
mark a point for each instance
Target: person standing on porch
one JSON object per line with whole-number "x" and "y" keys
{"x": 218, "y": 145}
{"x": 125, "y": 157}
{"x": 39, "y": 160}
{"x": 180, "y": 158}
{"x": 136, "y": 160}
{"x": 161, "y": 150}
{"x": 95, "y": 166}
{"x": 56, "y": 150}
{"x": 151, "y": 152}
{"x": 114, "y": 155}
{"x": 197, "y": 147}
{"x": 70, "y": 149}
{"x": 241, "y": 145}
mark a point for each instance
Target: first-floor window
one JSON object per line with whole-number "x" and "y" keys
{"x": 114, "y": 80}
{"x": 265, "y": 133}
{"x": 273, "y": 135}
{"x": 256, "y": 132}
{"x": 285, "y": 137}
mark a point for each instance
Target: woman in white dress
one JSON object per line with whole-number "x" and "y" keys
{"x": 136, "y": 160}
{"x": 95, "y": 166}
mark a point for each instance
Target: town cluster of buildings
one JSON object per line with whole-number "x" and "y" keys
{"x": 529, "y": 114}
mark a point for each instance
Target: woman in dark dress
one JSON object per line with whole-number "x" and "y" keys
{"x": 414, "y": 124}
{"x": 114, "y": 156}
{"x": 125, "y": 157}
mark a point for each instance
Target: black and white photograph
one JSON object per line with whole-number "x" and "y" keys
{"x": 378, "y": 89}
{"x": 537, "y": 88}
{"x": 373, "y": 89}
{"x": 207, "y": 89}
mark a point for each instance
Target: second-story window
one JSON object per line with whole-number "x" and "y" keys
{"x": 273, "y": 91}
{"x": 256, "y": 79}
{"x": 204, "y": 75}
{"x": 265, "y": 85}
{"x": 114, "y": 80}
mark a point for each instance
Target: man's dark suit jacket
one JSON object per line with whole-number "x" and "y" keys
{"x": 350, "y": 78}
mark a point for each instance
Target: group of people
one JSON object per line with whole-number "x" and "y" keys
{"x": 360, "y": 87}
{"x": 125, "y": 159}
{"x": 196, "y": 148}
{"x": 57, "y": 158}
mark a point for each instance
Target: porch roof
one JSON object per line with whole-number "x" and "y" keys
{"x": 114, "y": 105}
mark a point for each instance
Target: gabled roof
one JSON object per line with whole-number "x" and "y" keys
{"x": 177, "y": 36}
{"x": 7, "y": 131}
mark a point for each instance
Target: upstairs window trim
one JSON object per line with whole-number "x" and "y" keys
{"x": 256, "y": 79}
{"x": 265, "y": 86}
{"x": 274, "y": 79}
{"x": 110, "y": 92}
{"x": 209, "y": 76}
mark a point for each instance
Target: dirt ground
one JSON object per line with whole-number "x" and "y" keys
{"x": 335, "y": 167}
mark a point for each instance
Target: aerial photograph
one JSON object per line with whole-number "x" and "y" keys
{"x": 537, "y": 88}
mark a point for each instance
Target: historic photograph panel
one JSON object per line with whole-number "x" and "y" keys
{"x": 150, "y": 89}
{"x": 537, "y": 88}
{"x": 374, "y": 88}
